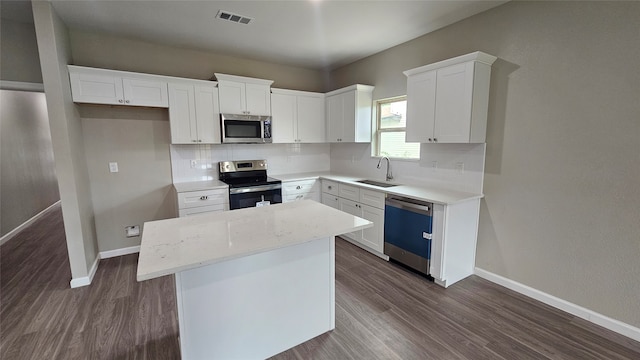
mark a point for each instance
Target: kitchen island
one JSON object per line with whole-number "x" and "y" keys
{"x": 250, "y": 283}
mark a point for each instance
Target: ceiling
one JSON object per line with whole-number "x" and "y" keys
{"x": 306, "y": 33}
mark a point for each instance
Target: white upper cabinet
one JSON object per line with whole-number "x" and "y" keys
{"x": 447, "y": 101}
{"x": 297, "y": 116}
{"x": 194, "y": 114}
{"x": 348, "y": 112}
{"x": 111, "y": 87}
{"x": 243, "y": 95}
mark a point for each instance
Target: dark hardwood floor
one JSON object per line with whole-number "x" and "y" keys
{"x": 382, "y": 312}
{"x": 114, "y": 318}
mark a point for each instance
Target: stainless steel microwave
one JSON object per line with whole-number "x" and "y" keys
{"x": 245, "y": 129}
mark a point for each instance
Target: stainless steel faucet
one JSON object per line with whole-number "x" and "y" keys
{"x": 389, "y": 174}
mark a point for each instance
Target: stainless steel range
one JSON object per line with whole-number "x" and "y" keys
{"x": 249, "y": 185}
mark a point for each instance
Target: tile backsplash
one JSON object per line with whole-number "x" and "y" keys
{"x": 200, "y": 162}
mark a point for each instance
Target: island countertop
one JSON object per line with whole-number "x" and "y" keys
{"x": 173, "y": 245}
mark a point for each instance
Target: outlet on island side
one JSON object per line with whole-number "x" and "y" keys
{"x": 132, "y": 231}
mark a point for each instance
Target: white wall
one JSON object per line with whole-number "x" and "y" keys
{"x": 281, "y": 158}
{"x": 356, "y": 159}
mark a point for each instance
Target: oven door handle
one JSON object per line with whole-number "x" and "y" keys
{"x": 251, "y": 189}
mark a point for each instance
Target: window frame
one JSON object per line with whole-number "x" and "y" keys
{"x": 379, "y": 130}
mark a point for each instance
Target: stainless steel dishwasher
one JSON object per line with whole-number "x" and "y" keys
{"x": 407, "y": 232}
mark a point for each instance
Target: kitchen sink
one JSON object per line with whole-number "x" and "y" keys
{"x": 376, "y": 183}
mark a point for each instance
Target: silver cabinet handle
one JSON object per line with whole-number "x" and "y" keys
{"x": 127, "y": 101}
{"x": 430, "y": 140}
{"x": 298, "y": 187}
{"x": 204, "y": 197}
{"x": 120, "y": 101}
{"x": 194, "y": 140}
{"x": 329, "y": 187}
{"x": 435, "y": 140}
{"x": 199, "y": 140}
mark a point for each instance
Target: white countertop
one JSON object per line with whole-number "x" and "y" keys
{"x": 174, "y": 245}
{"x": 199, "y": 185}
{"x": 425, "y": 193}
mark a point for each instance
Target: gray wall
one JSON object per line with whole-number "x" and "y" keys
{"x": 142, "y": 190}
{"x": 28, "y": 182}
{"x": 19, "y": 51}
{"x": 117, "y": 53}
{"x": 563, "y": 143}
{"x": 67, "y": 139}
{"x": 27, "y": 176}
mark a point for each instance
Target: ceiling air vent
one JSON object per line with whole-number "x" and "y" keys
{"x": 225, "y": 15}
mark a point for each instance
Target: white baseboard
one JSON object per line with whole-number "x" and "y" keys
{"x": 8, "y": 236}
{"x": 86, "y": 280}
{"x": 119, "y": 252}
{"x": 577, "y": 310}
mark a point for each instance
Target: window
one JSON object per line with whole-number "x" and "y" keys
{"x": 391, "y": 115}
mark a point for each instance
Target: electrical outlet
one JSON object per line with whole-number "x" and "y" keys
{"x": 460, "y": 167}
{"x": 132, "y": 231}
{"x": 194, "y": 164}
{"x": 113, "y": 167}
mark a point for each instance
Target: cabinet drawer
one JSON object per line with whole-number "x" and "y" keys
{"x": 372, "y": 198}
{"x": 299, "y": 187}
{"x": 193, "y": 199}
{"x": 202, "y": 209}
{"x": 330, "y": 187}
{"x": 349, "y": 192}
{"x": 313, "y": 195}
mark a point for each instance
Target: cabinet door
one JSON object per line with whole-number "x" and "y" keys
{"x": 373, "y": 237}
{"x": 258, "y": 99}
{"x": 453, "y": 103}
{"x": 207, "y": 114}
{"x": 145, "y": 92}
{"x": 331, "y": 200}
{"x": 353, "y": 208}
{"x": 311, "y": 119}
{"x": 283, "y": 114}
{"x": 335, "y": 118}
{"x": 232, "y": 97}
{"x": 182, "y": 114}
{"x": 349, "y": 113}
{"x": 421, "y": 106}
{"x": 96, "y": 89}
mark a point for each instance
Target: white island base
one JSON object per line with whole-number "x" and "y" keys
{"x": 257, "y": 306}
{"x": 250, "y": 283}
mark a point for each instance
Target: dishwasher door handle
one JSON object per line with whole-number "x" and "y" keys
{"x": 403, "y": 204}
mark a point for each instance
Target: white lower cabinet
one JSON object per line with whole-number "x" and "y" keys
{"x": 301, "y": 190}
{"x": 203, "y": 201}
{"x": 358, "y": 202}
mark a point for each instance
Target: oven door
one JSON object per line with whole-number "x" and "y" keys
{"x": 245, "y": 197}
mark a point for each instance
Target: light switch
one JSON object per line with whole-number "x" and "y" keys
{"x": 113, "y": 167}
